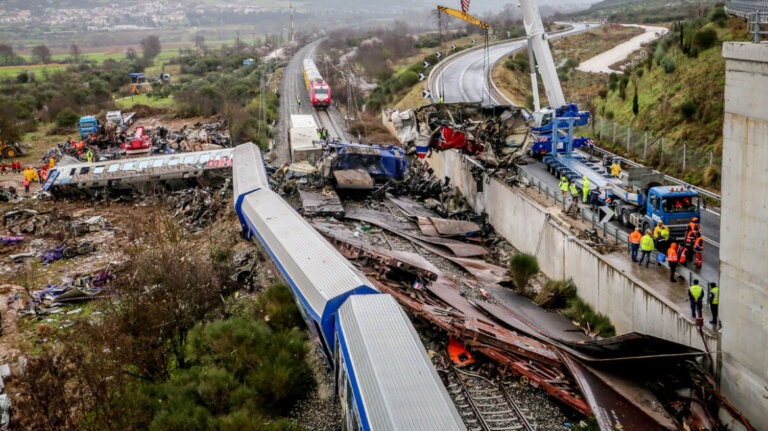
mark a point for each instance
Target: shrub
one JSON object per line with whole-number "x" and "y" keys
{"x": 668, "y": 65}
{"x": 556, "y": 294}
{"x": 688, "y": 109}
{"x": 595, "y": 322}
{"x": 603, "y": 92}
{"x": 408, "y": 78}
{"x": 639, "y": 73}
{"x": 705, "y": 38}
{"x": 428, "y": 42}
{"x": 522, "y": 267}
{"x": 67, "y": 118}
{"x": 610, "y": 115}
{"x": 718, "y": 16}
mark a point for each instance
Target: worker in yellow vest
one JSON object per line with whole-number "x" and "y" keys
{"x": 564, "y": 186}
{"x": 574, "y": 199}
{"x": 714, "y": 302}
{"x": 696, "y": 297}
{"x": 89, "y": 156}
{"x": 615, "y": 169}
{"x": 646, "y": 246}
{"x": 585, "y": 188}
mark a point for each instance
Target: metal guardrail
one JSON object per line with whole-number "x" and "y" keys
{"x": 608, "y": 229}
{"x": 745, "y": 8}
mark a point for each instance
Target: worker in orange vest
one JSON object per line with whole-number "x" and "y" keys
{"x": 26, "y": 185}
{"x": 672, "y": 259}
{"x": 634, "y": 242}
{"x": 694, "y": 225}
{"x": 698, "y": 248}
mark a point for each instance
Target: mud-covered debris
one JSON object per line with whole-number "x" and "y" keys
{"x": 198, "y": 207}
{"x": 86, "y": 225}
{"x": 23, "y": 221}
{"x": 67, "y": 250}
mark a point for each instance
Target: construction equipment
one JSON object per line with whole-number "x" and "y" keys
{"x": 138, "y": 145}
{"x": 638, "y": 196}
{"x": 88, "y": 125}
{"x": 10, "y": 150}
{"x": 464, "y": 16}
{"x": 124, "y": 121}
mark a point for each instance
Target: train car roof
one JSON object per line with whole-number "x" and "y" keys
{"x": 321, "y": 276}
{"x": 395, "y": 383}
{"x": 249, "y": 173}
{"x": 300, "y": 121}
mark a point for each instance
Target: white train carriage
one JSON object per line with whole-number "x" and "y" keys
{"x": 320, "y": 277}
{"x": 384, "y": 378}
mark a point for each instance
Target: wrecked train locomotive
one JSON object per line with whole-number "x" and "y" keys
{"x": 496, "y": 134}
{"x": 384, "y": 377}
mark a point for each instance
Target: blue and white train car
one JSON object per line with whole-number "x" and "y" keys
{"x": 384, "y": 377}
{"x": 319, "y": 276}
{"x": 385, "y": 380}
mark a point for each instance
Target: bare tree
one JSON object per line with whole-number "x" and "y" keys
{"x": 199, "y": 40}
{"x": 150, "y": 46}
{"x": 74, "y": 51}
{"x": 6, "y": 51}
{"x": 42, "y": 53}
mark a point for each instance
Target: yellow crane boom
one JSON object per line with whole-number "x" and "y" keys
{"x": 465, "y": 16}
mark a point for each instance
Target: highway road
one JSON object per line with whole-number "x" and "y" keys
{"x": 467, "y": 69}
{"x": 464, "y": 79}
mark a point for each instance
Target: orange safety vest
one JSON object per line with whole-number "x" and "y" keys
{"x": 672, "y": 254}
{"x": 699, "y": 244}
{"x": 691, "y": 237}
{"x": 635, "y": 237}
{"x": 693, "y": 225}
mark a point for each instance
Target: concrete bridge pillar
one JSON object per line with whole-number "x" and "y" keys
{"x": 744, "y": 231}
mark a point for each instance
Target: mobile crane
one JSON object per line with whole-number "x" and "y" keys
{"x": 638, "y": 196}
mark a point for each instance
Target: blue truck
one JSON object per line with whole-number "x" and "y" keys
{"x": 88, "y": 125}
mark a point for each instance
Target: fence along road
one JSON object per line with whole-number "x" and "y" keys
{"x": 464, "y": 76}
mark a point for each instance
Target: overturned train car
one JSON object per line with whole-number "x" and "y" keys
{"x": 384, "y": 378}
{"x": 170, "y": 171}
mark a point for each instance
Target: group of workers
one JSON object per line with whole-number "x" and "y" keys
{"x": 15, "y": 167}
{"x": 322, "y": 134}
{"x": 676, "y": 254}
{"x": 568, "y": 187}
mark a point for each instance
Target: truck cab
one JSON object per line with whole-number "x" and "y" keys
{"x": 115, "y": 117}
{"x": 675, "y": 206}
{"x": 87, "y": 125}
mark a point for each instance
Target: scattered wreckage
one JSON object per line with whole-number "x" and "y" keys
{"x": 497, "y": 135}
{"x": 632, "y": 381}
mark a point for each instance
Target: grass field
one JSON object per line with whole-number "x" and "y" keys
{"x": 142, "y": 99}
{"x": 11, "y": 72}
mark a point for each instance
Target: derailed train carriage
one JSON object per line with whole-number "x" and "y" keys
{"x": 383, "y": 375}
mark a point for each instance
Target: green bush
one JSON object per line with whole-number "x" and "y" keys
{"x": 718, "y": 16}
{"x": 668, "y": 65}
{"x": 408, "y": 78}
{"x": 584, "y": 314}
{"x": 428, "y": 42}
{"x": 67, "y": 118}
{"x": 688, "y": 109}
{"x": 522, "y": 267}
{"x": 705, "y": 38}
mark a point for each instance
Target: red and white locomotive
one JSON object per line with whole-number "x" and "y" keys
{"x": 319, "y": 91}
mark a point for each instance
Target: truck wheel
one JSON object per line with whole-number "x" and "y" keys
{"x": 625, "y": 217}
{"x": 10, "y": 152}
{"x": 646, "y": 227}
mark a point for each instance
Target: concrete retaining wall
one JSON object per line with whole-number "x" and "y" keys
{"x": 631, "y": 305}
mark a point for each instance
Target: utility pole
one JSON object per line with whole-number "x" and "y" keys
{"x": 293, "y": 34}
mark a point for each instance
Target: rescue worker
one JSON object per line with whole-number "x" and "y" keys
{"x": 694, "y": 225}
{"x": 661, "y": 236}
{"x": 2, "y": 167}
{"x": 714, "y": 302}
{"x": 89, "y": 155}
{"x": 696, "y": 297}
{"x": 634, "y": 242}
{"x": 574, "y": 199}
{"x": 646, "y": 245}
{"x": 51, "y": 162}
{"x": 585, "y": 188}
{"x": 320, "y": 134}
{"x": 615, "y": 169}
{"x": 298, "y": 100}
{"x": 672, "y": 260}
{"x": 564, "y": 186}
{"x": 26, "y": 185}
{"x": 698, "y": 248}
{"x": 607, "y": 160}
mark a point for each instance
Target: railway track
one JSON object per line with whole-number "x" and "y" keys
{"x": 485, "y": 405}
{"x": 325, "y": 119}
